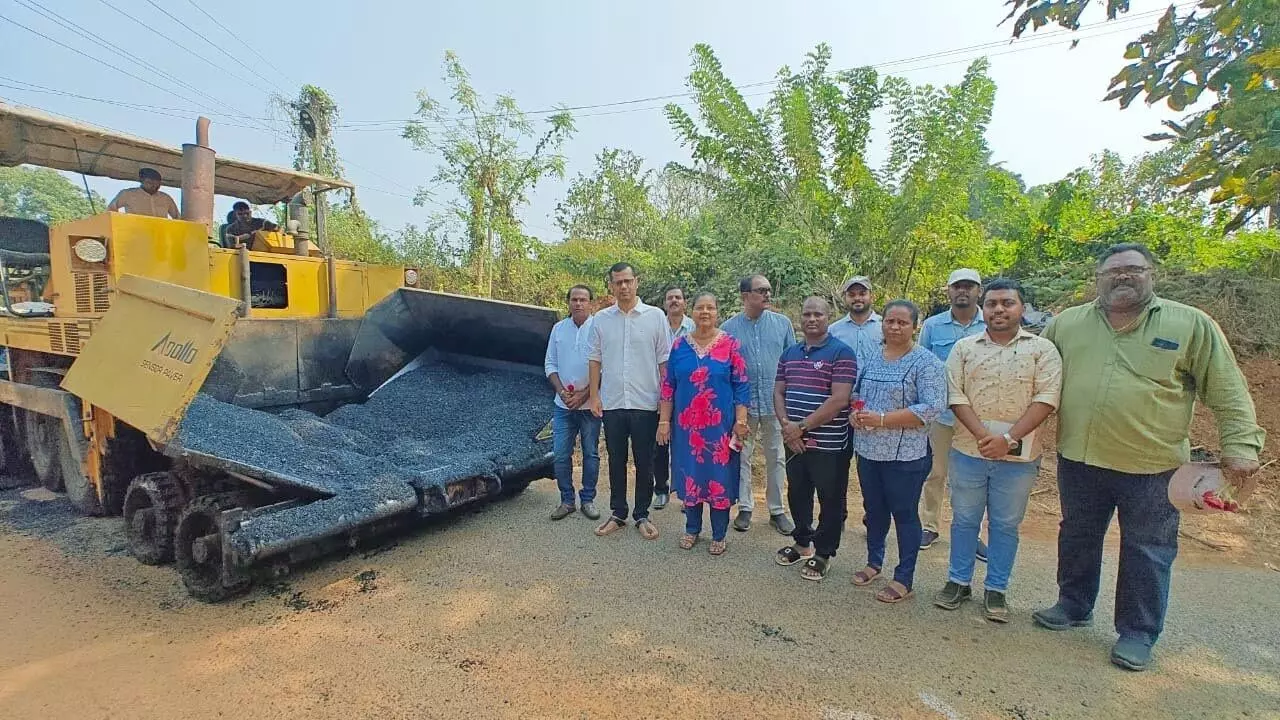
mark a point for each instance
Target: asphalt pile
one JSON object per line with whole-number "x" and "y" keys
{"x": 429, "y": 427}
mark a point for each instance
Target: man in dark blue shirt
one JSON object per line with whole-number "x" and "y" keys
{"x": 811, "y": 401}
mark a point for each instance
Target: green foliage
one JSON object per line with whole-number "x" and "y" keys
{"x": 484, "y": 157}
{"x": 311, "y": 117}
{"x": 45, "y": 195}
{"x": 1230, "y": 48}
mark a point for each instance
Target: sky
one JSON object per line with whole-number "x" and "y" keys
{"x": 372, "y": 57}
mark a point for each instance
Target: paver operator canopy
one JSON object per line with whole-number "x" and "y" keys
{"x": 36, "y": 138}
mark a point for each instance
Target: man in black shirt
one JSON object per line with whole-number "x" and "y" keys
{"x": 245, "y": 224}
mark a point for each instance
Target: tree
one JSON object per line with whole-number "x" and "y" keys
{"x": 612, "y": 203}
{"x": 44, "y": 194}
{"x": 484, "y": 157}
{"x": 1230, "y": 48}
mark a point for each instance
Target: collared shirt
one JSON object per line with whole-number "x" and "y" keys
{"x": 246, "y": 228}
{"x": 567, "y": 354}
{"x": 763, "y": 341}
{"x": 629, "y": 347}
{"x": 865, "y": 338}
{"x": 1127, "y": 398}
{"x": 1000, "y": 382}
{"x": 940, "y": 333}
{"x": 808, "y": 371}
{"x": 686, "y": 327}
{"x": 137, "y": 201}
{"x": 916, "y": 381}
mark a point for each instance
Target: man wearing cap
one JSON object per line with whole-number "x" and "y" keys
{"x": 146, "y": 199}
{"x": 938, "y": 335}
{"x": 860, "y": 329}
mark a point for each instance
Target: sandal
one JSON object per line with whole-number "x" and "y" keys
{"x": 610, "y": 526}
{"x": 891, "y": 594}
{"x": 789, "y": 555}
{"x": 688, "y": 541}
{"x": 718, "y": 547}
{"x": 866, "y": 575}
{"x": 815, "y": 568}
{"x": 647, "y": 529}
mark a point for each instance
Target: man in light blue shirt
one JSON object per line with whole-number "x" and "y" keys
{"x": 763, "y": 335}
{"x": 567, "y": 371}
{"x": 938, "y": 334}
{"x": 860, "y": 329}
{"x": 678, "y": 325}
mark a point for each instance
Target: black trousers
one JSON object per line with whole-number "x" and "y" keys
{"x": 662, "y": 470}
{"x": 827, "y": 474}
{"x": 639, "y": 429}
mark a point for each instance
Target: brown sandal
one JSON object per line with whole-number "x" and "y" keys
{"x": 891, "y": 594}
{"x": 610, "y": 526}
{"x": 866, "y": 575}
{"x": 647, "y": 529}
{"x": 718, "y": 547}
{"x": 688, "y": 541}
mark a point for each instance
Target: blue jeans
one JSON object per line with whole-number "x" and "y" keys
{"x": 566, "y": 427}
{"x": 891, "y": 489}
{"x": 719, "y": 521}
{"x": 1148, "y": 544}
{"x": 1000, "y": 489}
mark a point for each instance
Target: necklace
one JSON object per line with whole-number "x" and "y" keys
{"x": 1131, "y": 325}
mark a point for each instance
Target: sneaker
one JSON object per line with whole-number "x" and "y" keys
{"x": 981, "y": 555}
{"x": 562, "y": 512}
{"x": 995, "y": 608}
{"x": 661, "y": 499}
{"x": 927, "y": 539}
{"x": 589, "y": 509}
{"x": 1057, "y": 618}
{"x": 742, "y": 523}
{"x": 1131, "y": 654}
{"x": 782, "y": 523}
{"x": 952, "y": 596}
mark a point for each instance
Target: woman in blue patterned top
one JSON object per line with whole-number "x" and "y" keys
{"x": 899, "y": 392}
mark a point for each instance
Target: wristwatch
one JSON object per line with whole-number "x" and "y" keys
{"x": 804, "y": 427}
{"x": 1009, "y": 439}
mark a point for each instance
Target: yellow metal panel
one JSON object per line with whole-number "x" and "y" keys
{"x": 173, "y": 251}
{"x": 151, "y": 352}
{"x": 382, "y": 281}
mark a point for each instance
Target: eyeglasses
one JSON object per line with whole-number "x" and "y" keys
{"x": 1125, "y": 270}
{"x": 762, "y": 291}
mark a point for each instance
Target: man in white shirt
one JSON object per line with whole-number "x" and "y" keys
{"x": 146, "y": 199}
{"x": 678, "y": 325}
{"x": 566, "y": 368}
{"x": 628, "y": 357}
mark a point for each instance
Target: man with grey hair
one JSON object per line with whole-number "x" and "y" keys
{"x": 763, "y": 335}
{"x": 1134, "y": 365}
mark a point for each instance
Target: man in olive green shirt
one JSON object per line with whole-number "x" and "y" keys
{"x": 1133, "y": 367}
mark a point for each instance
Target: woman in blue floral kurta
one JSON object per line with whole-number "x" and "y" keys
{"x": 707, "y": 393}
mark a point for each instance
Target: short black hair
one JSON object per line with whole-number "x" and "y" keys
{"x": 1004, "y": 284}
{"x": 903, "y": 303}
{"x": 1127, "y": 247}
{"x": 744, "y": 285}
{"x": 701, "y": 294}
{"x": 240, "y": 205}
{"x": 569, "y": 294}
{"x": 620, "y": 267}
{"x": 669, "y": 288}
{"x": 146, "y": 173}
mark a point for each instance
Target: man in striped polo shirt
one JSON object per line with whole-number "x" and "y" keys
{"x": 811, "y": 400}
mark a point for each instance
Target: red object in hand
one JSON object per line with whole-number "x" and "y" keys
{"x": 810, "y": 442}
{"x": 569, "y": 387}
{"x": 1212, "y": 500}
{"x": 858, "y": 405}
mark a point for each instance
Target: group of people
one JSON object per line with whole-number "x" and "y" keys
{"x": 147, "y": 199}
{"x": 689, "y": 399}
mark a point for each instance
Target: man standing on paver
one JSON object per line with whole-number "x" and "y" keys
{"x": 1133, "y": 366}
{"x": 678, "y": 325}
{"x": 763, "y": 334}
{"x": 862, "y": 328}
{"x": 1002, "y": 385}
{"x": 938, "y": 335}
{"x": 568, "y": 373}
{"x": 627, "y": 357}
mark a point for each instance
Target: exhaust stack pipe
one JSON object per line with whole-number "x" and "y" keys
{"x": 197, "y": 178}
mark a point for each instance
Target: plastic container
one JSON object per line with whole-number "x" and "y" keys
{"x": 1189, "y": 484}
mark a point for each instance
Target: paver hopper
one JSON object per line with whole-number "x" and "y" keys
{"x": 289, "y": 437}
